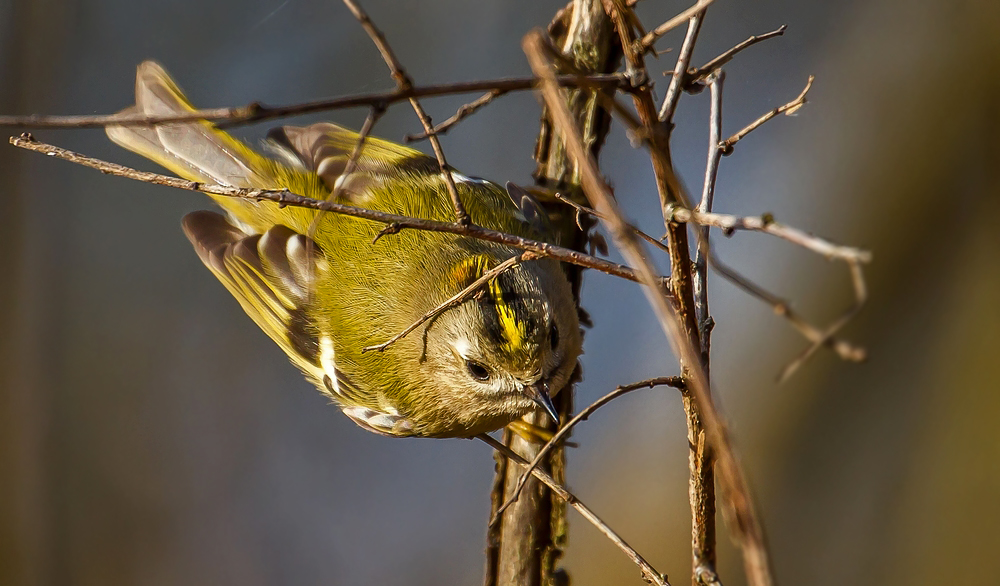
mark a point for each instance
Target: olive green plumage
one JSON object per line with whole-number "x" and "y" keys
{"x": 319, "y": 287}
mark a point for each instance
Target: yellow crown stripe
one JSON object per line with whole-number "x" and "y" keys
{"x": 514, "y": 329}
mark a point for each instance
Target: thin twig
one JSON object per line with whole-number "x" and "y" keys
{"x": 373, "y": 115}
{"x": 463, "y": 112}
{"x": 472, "y": 107}
{"x": 256, "y": 112}
{"x": 404, "y": 82}
{"x": 455, "y": 300}
{"x": 649, "y": 573}
{"x": 285, "y": 197}
{"x": 746, "y": 525}
{"x": 673, "y": 381}
{"x": 698, "y": 75}
{"x": 781, "y": 307}
{"x": 715, "y": 82}
{"x": 826, "y": 337}
{"x": 651, "y": 37}
{"x": 766, "y": 223}
{"x": 679, "y": 78}
{"x": 788, "y": 109}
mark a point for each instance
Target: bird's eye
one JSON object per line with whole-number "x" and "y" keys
{"x": 554, "y": 336}
{"x": 477, "y": 370}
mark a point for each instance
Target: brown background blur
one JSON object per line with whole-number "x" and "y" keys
{"x": 150, "y": 434}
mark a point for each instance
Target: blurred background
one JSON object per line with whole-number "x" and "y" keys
{"x": 151, "y": 434}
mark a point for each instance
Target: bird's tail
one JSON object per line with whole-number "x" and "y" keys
{"x": 199, "y": 151}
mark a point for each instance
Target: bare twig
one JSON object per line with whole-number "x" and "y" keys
{"x": 256, "y": 112}
{"x": 767, "y": 224}
{"x": 705, "y": 70}
{"x": 657, "y": 138}
{"x": 781, "y": 307}
{"x": 651, "y": 37}
{"x": 284, "y": 197}
{"x": 404, "y": 82}
{"x": 788, "y": 109}
{"x": 673, "y": 381}
{"x": 746, "y": 525}
{"x": 585, "y": 210}
{"x": 715, "y": 82}
{"x": 455, "y": 300}
{"x": 854, "y": 257}
{"x": 701, "y": 479}
{"x": 463, "y": 112}
{"x": 649, "y": 573}
{"x": 679, "y": 78}
{"x": 826, "y": 337}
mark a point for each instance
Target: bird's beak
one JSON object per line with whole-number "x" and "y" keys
{"x": 539, "y": 393}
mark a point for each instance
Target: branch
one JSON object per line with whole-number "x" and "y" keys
{"x": 256, "y": 112}
{"x": 679, "y": 78}
{"x": 673, "y": 381}
{"x": 781, "y": 307}
{"x": 403, "y": 82}
{"x": 767, "y": 224}
{"x": 463, "y": 112}
{"x": 455, "y": 300}
{"x": 826, "y": 338}
{"x": 651, "y": 37}
{"x": 285, "y": 197}
{"x": 701, "y": 473}
{"x": 697, "y": 75}
{"x": 788, "y": 109}
{"x": 649, "y": 573}
{"x": 715, "y": 82}
{"x": 746, "y": 524}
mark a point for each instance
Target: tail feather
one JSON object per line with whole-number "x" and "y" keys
{"x": 145, "y": 141}
{"x": 199, "y": 151}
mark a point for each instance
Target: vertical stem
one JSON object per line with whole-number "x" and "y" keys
{"x": 678, "y": 314}
{"x": 702, "y": 474}
{"x": 525, "y": 547}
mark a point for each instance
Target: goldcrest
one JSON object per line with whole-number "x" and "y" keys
{"x": 322, "y": 290}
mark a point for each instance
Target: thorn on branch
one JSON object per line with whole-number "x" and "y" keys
{"x": 391, "y": 228}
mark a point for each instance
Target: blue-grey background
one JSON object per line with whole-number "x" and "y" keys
{"x": 150, "y": 434}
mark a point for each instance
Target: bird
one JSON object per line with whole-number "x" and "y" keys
{"x": 324, "y": 287}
